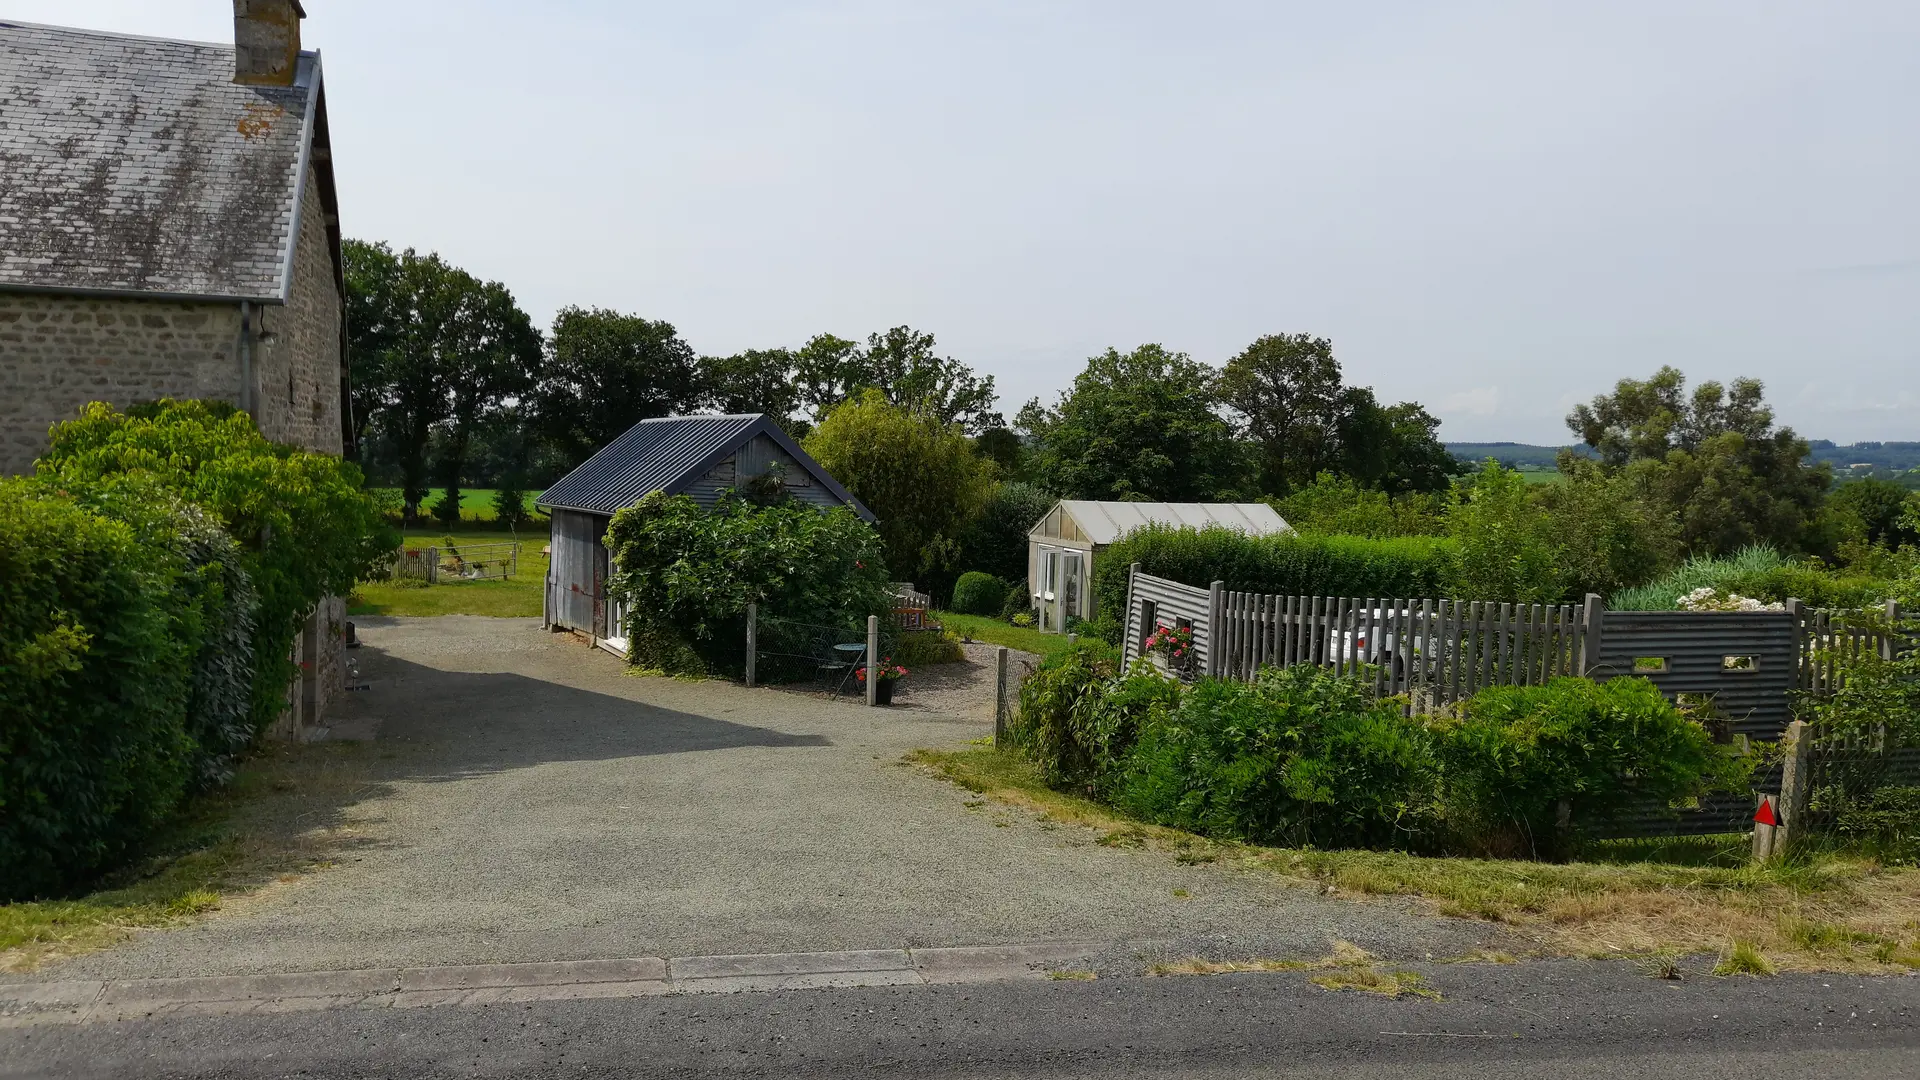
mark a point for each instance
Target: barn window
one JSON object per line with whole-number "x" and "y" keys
{"x": 1647, "y": 664}
{"x": 1739, "y": 663}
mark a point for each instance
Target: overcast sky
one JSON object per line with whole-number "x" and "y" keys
{"x": 1493, "y": 208}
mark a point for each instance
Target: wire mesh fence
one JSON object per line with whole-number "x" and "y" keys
{"x": 445, "y": 563}
{"x": 828, "y": 655}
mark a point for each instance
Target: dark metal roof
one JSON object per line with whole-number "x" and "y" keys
{"x": 667, "y": 454}
{"x": 136, "y": 166}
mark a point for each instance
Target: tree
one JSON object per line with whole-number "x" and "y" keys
{"x": 1873, "y": 511}
{"x": 498, "y": 360}
{"x": 607, "y": 372}
{"x": 920, "y": 478}
{"x": 1137, "y": 425}
{"x": 1508, "y": 550}
{"x": 902, "y": 364}
{"x": 1287, "y": 390}
{"x": 1713, "y": 459}
{"x": 427, "y": 342}
{"x": 1612, "y": 533}
{"x": 1394, "y": 448}
{"x": 996, "y": 542}
{"x": 754, "y": 381}
{"x": 827, "y": 371}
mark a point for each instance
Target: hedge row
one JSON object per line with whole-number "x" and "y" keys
{"x": 1303, "y": 756}
{"x": 1294, "y": 565}
{"x": 141, "y": 646}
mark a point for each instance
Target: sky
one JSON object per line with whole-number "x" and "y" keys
{"x": 1494, "y": 208}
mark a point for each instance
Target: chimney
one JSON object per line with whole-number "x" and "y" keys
{"x": 266, "y": 41}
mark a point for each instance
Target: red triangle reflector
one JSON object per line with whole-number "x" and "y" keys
{"x": 1765, "y": 814}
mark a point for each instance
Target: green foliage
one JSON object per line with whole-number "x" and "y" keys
{"x": 97, "y": 650}
{"x": 688, "y": 574}
{"x": 1137, "y": 425}
{"x": 1018, "y": 602}
{"x": 1518, "y": 752}
{"x": 1877, "y": 510}
{"x": 510, "y": 505}
{"x": 754, "y": 381}
{"x": 918, "y": 648}
{"x": 1712, "y": 459}
{"x": 1335, "y": 505}
{"x": 1302, "y": 756}
{"x": 431, "y": 348}
{"x": 1080, "y": 714}
{"x": 607, "y": 371}
{"x": 1507, "y": 549}
{"x": 1403, "y": 567}
{"x": 305, "y": 527}
{"x": 1882, "y": 821}
{"x": 979, "y": 594}
{"x": 904, "y": 367}
{"x": 920, "y": 478}
{"x": 996, "y": 542}
{"x": 1760, "y": 572}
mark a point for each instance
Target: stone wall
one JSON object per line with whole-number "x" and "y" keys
{"x": 297, "y": 371}
{"x": 59, "y": 352}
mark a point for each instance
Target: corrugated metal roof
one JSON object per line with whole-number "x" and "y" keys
{"x": 1105, "y": 522}
{"x": 668, "y": 453}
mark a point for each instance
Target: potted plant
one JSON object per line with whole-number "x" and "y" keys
{"x": 889, "y": 673}
{"x": 1173, "y": 645}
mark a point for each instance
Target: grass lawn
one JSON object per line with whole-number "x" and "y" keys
{"x": 996, "y": 632}
{"x": 276, "y": 820}
{"x": 519, "y": 595}
{"x": 1648, "y": 899}
{"x": 476, "y": 504}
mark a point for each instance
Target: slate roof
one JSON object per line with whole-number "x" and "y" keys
{"x": 137, "y": 165}
{"x": 669, "y": 453}
{"x": 1105, "y": 522}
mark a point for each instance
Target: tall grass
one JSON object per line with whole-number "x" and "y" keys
{"x": 1699, "y": 572}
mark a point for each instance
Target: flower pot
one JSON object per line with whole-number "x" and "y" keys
{"x": 883, "y": 692}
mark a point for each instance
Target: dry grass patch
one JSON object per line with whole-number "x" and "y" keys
{"x": 279, "y": 818}
{"x": 1626, "y": 899}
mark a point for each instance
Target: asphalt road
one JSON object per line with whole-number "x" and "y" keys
{"x": 1561, "y": 1019}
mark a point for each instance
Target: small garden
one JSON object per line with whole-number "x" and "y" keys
{"x": 154, "y": 574}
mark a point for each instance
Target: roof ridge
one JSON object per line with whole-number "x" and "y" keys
{"x": 11, "y": 24}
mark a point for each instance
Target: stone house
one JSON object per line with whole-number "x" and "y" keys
{"x": 169, "y": 228}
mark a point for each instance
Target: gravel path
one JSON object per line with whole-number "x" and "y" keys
{"x": 526, "y": 800}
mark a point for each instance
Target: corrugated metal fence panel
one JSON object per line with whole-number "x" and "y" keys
{"x": 1172, "y": 602}
{"x": 1696, "y": 645}
{"x": 576, "y": 543}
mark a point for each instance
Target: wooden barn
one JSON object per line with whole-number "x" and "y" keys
{"x": 698, "y": 456}
{"x": 1062, "y": 546}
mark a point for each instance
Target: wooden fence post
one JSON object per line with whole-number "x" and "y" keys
{"x": 1000, "y": 697}
{"x": 433, "y": 566}
{"x": 1592, "y": 618}
{"x": 753, "y": 638}
{"x": 1801, "y": 654}
{"x": 873, "y": 660}
{"x": 1216, "y": 608}
{"x": 1796, "y": 782}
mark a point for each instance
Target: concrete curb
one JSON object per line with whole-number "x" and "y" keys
{"x": 74, "y": 1002}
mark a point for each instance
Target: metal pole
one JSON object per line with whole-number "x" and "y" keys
{"x": 873, "y": 660}
{"x": 1000, "y": 697}
{"x": 753, "y": 638}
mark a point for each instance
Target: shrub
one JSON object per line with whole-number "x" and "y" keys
{"x": 688, "y": 574}
{"x": 1699, "y": 572}
{"x": 918, "y": 648}
{"x": 306, "y": 528}
{"x": 510, "y": 504}
{"x": 1517, "y": 753}
{"x": 1079, "y": 715}
{"x": 95, "y": 678}
{"x": 1018, "y": 602}
{"x": 1884, "y": 822}
{"x": 996, "y": 542}
{"x": 1508, "y": 550}
{"x": 1338, "y": 506}
{"x": 1301, "y": 756}
{"x": 979, "y": 594}
{"x": 1409, "y": 567}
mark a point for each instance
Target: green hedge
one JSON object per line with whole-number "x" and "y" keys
{"x": 97, "y": 642}
{"x": 1295, "y": 565}
{"x": 1303, "y": 756}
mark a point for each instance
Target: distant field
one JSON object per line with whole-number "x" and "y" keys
{"x": 519, "y": 595}
{"x": 476, "y": 504}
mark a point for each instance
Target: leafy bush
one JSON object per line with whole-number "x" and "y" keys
{"x": 688, "y": 573}
{"x": 1079, "y": 714}
{"x": 1884, "y": 822}
{"x": 95, "y": 679}
{"x": 1018, "y": 602}
{"x": 1410, "y": 567}
{"x": 1508, "y": 549}
{"x": 1517, "y": 753}
{"x": 1301, "y": 756}
{"x": 1760, "y": 572}
{"x": 306, "y": 528}
{"x": 918, "y": 648}
{"x": 510, "y": 504}
{"x": 979, "y": 594}
{"x": 1336, "y": 505}
{"x": 997, "y": 541}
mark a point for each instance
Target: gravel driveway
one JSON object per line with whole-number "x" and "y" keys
{"x": 525, "y": 799}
